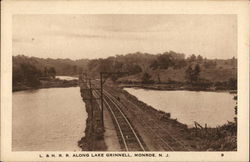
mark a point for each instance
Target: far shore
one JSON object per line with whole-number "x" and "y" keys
{"x": 54, "y": 83}
{"x": 176, "y": 87}
{"x": 59, "y": 83}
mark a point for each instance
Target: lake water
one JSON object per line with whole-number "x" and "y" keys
{"x": 213, "y": 108}
{"x": 66, "y": 77}
{"x": 50, "y": 119}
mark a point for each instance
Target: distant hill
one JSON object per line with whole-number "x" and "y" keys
{"x": 62, "y": 66}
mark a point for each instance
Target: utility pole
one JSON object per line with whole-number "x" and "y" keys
{"x": 87, "y": 95}
{"x": 92, "y": 113}
{"x": 102, "y": 119}
{"x": 102, "y": 81}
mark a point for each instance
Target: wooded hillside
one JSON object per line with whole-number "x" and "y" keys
{"x": 167, "y": 67}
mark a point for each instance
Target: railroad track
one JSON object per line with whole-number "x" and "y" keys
{"x": 168, "y": 142}
{"x": 128, "y": 138}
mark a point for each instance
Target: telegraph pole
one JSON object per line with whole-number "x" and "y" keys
{"x": 101, "y": 99}
{"x": 102, "y": 81}
{"x": 87, "y": 95}
{"x": 92, "y": 112}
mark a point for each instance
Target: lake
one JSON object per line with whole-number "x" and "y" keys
{"x": 212, "y": 108}
{"x": 50, "y": 119}
{"x": 66, "y": 77}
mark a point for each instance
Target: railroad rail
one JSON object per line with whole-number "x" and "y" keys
{"x": 128, "y": 138}
{"x": 168, "y": 142}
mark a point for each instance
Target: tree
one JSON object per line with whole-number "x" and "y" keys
{"x": 180, "y": 63}
{"x": 80, "y": 70}
{"x": 17, "y": 76}
{"x": 134, "y": 69}
{"x": 105, "y": 65}
{"x": 31, "y": 75}
{"x": 199, "y": 58}
{"x": 196, "y": 72}
{"x": 52, "y": 72}
{"x": 146, "y": 78}
{"x": 164, "y": 61}
{"x": 159, "y": 78}
{"x": 232, "y": 83}
{"x": 118, "y": 65}
{"x": 233, "y": 61}
{"x": 191, "y": 58}
{"x": 189, "y": 74}
{"x": 154, "y": 65}
{"x": 74, "y": 69}
{"x": 45, "y": 71}
{"x": 192, "y": 75}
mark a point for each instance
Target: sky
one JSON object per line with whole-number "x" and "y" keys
{"x": 100, "y": 36}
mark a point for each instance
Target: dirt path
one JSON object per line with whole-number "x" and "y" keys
{"x": 110, "y": 135}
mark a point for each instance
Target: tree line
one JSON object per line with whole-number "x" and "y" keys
{"x": 62, "y": 66}
{"x": 28, "y": 75}
{"x": 141, "y": 65}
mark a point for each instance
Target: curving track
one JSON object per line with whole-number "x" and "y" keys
{"x": 127, "y": 135}
{"x": 168, "y": 142}
{"x": 128, "y": 138}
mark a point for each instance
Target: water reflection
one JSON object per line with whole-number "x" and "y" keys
{"x": 66, "y": 77}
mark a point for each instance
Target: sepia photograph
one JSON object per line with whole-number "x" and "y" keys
{"x": 124, "y": 85}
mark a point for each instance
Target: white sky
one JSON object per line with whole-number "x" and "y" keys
{"x": 94, "y": 36}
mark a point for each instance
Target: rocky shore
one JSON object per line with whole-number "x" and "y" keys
{"x": 94, "y": 131}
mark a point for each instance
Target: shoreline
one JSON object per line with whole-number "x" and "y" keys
{"x": 201, "y": 134}
{"x": 93, "y": 140}
{"x": 167, "y": 87}
{"x": 27, "y": 89}
{"x": 57, "y": 83}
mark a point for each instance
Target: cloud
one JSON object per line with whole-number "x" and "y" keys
{"x": 23, "y": 40}
{"x": 105, "y": 35}
{"x": 75, "y": 34}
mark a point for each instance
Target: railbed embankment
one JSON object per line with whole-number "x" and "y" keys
{"x": 158, "y": 130}
{"x": 147, "y": 118}
{"x": 94, "y": 132}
